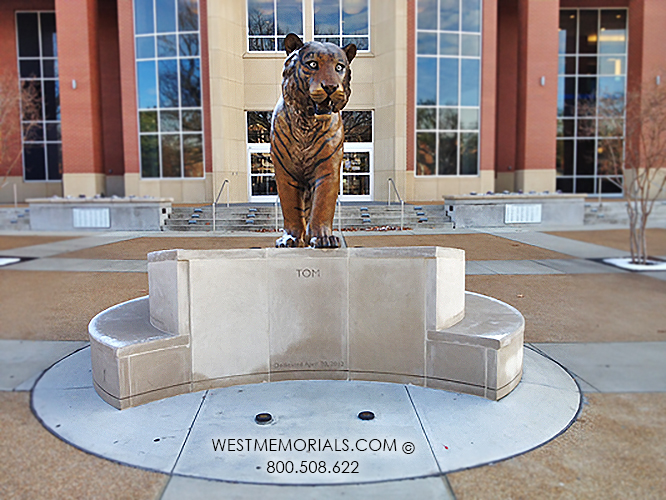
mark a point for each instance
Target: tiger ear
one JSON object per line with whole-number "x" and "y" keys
{"x": 292, "y": 42}
{"x": 350, "y": 50}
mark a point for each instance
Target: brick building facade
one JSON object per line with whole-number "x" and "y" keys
{"x": 172, "y": 97}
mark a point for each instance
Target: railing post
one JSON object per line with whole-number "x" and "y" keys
{"x": 339, "y": 203}
{"x": 389, "y": 192}
{"x": 402, "y": 215}
{"x": 276, "y": 216}
{"x": 214, "y": 205}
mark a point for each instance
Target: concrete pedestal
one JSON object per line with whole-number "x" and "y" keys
{"x": 226, "y": 317}
{"x": 91, "y": 214}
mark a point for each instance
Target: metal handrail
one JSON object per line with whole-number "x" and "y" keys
{"x": 277, "y": 213}
{"x": 402, "y": 202}
{"x": 339, "y": 204}
{"x": 226, "y": 181}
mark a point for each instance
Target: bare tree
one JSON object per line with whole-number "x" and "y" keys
{"x": 17, "y": 104}
{"x": 637, "y": 164}
{"x": 644, "y": 163}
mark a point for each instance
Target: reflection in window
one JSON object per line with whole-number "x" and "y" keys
{"x": 356, "y": 168}
{"x": 38, "y": 72}
{"x": 342, "y": 22}
{"x": 448, "y": 82}
{"x": 591, "y": 99}
{"x": 168, "y": 66}
{"x": 269, "y": 21}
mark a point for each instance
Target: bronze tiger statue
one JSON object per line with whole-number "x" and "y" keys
{"x": 307, "y": 137}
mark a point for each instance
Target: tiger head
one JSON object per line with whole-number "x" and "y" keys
{"x": 316, "y": 76}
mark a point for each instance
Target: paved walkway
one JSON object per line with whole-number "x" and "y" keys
{"x": 605, "y": 325}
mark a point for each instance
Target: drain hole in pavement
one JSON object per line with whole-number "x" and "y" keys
{"x": 263, "y": 418}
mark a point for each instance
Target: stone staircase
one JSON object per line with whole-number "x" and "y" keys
{"x": 349, "y": 216}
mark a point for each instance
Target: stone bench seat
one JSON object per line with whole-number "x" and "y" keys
{"x": 133, "y": 362}
{"x": 233, "y": 317}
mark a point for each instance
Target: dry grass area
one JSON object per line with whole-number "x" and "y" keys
{"x": 614, "y": 450}
{"x": 11, "y": 242}
{"x": 618, "y": 238}
{"x": 36, "y": 464}
{"x": 622, "y": 307}
{"x": 138, "y": 248}
{"x": 53, "y": 305}
{"x": 476, "y": 246}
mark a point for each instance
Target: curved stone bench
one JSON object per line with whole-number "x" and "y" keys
{"x": 227, "y": 317}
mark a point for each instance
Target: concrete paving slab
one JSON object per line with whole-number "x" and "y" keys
{"x": 22, "y": 361}
{"x": 185, "y": 435}
{"x": 562, "y": 245}
{"x": 614, "y": 366}
{"x": 82, "y": 265}
{"x": 38, "y": 465}
{"x": 73, "y": 372}
{"x": 70, "y": 245}
{"x": 473, "y": 267}
{"x": 151, "y": 435}
{"x": 186, "y": 488}
{"x": 517, "y": 267}
{"x": 579, "y": 266}
{"x": 465, "y": 431}
{"x": 307, "y": 415}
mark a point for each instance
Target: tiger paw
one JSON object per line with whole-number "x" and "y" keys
{"x": 288, "y": 241}
{"x": 329, "y": 241}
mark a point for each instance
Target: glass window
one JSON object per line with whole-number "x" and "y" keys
{"x": 356, "y": 173}
{"x": 143, "y": 17}
{"x": 591, "y": 98}
{"x": 448, "y": 81}
{"x": 358, "y": 126}
{"x": 449, "y": 16}
{"x": 270, "y": 20}
{"x": 448, "y": 75}
{"x": 342, "y": 22}
{"x": 426, "y": 81}
{"x": 38, "y": 74}
{"x": 169, "y": 88}
{"x": 427, "y": 14}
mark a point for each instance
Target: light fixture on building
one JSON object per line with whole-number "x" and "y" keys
{"x": 658, "y": 79}
{"x": 73, "y": 84}
{"x": 542, "y": 81}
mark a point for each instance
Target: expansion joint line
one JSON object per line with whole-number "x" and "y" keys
{"x": 189, "y": 431}
{"x": 432, "y": 451}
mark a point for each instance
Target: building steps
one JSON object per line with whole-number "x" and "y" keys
{"x": 262, "y": 217}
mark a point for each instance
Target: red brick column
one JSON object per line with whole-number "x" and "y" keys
{"x": 507, "y": 86}
{"x": 128, "y": 87}
{"x": 78, "y": 61}
{"x": 538, "y": 23}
